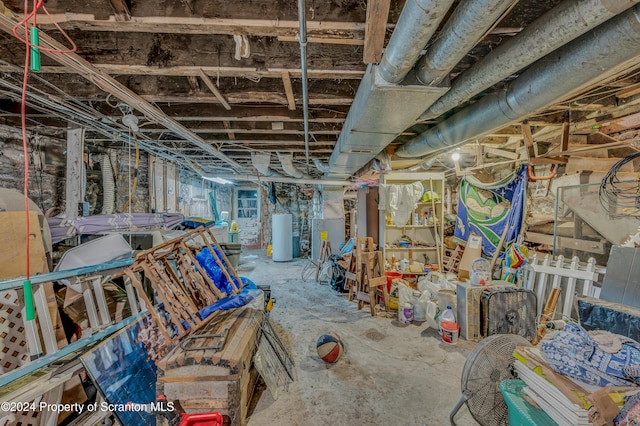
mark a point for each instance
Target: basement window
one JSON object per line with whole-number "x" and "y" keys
{"x": 247, "y": 203}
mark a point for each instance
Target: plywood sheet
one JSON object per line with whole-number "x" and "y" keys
{"x": 13, "y": 245}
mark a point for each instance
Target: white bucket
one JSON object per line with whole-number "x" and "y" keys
{"x": 450, "y": 331}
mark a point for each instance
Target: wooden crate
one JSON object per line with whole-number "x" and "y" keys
{"x": 206, "y": 380}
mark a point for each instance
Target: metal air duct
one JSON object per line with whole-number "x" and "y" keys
{"x": 261, "y": 162}
{"x": 571, "y": 68}
{"x": 563, "y": 23}
{"x": 286, "y": 160}
{"x": 468, "y": 23}
{"x": 417, "y": 23}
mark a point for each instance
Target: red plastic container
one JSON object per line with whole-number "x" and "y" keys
{"x": 201, "y": 419}
{"x": 391, "y": 275}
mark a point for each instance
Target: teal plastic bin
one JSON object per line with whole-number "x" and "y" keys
{"x": 521, "y": 413}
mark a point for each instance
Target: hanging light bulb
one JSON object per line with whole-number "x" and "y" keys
{"x": 455, "y": 156}
{"x": 131, "y": 121}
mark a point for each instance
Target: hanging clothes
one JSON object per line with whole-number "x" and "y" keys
{"x": 400, "y": 200}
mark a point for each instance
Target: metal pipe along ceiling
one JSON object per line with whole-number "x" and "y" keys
{"x": 467, "y": 24}
{"x": 573, "y": 67}
{"x": 563, "y": 23}
{"x": 303, "y": 70}
{"x": 417, "y": 23}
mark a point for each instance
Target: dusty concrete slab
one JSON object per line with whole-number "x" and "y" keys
{"x": 390, "y": 374}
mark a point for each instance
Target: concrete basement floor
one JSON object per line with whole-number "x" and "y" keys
{"x": 390, "y": 373}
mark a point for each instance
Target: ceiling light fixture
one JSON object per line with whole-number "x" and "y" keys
{"x": 131, "y": 121}
{"x": 455, "y": 156}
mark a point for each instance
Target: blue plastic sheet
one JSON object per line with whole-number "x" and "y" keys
{"x": 249, "y": 292}
{"x": 209, "y": 264}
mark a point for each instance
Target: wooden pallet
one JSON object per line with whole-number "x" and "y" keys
{"x": 180, "y": 282}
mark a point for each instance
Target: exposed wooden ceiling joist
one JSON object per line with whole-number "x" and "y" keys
{"x": 129, "y": 69}
{"x": 7, "y": 23}
{"x": 188, "y": 25}
{"x": 207, "y": 81}
{"x": 375, "y": 30}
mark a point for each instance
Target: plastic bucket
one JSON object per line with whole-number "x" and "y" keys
{"x": 450, "y": 332}
{"x": 391, "y": 275}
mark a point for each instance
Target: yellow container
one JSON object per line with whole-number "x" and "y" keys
{"x": 324, "y": 235}
{"x": 393, "y": 303}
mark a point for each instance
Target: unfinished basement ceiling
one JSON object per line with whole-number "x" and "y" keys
{"x": 209, "y": 100}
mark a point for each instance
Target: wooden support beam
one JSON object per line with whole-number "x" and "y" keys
{"x": 501, "y": 153}
{"x": 537, "y": 161}
{"x": 528, "y": 139}
{"x": 620, "y": 124}
{"x": 375, "y": 30}
{"x": 564, "y": 142}
{"x": 75, "y": 172}
{"x": 241, "y": 98}
{"x": 193, "y": 83}
{"x": 632, "y": 90}
{"x": 230, "y": 133}
{"x": 121, "y": 10}
{"x": 326, "y": 40}
{"x": 185, "y": 70}
{"x": 196, "y": 25}
{"x": 288, "y": 89}
{"x": 479, "y": 155}
{"x": 214, "y": 89}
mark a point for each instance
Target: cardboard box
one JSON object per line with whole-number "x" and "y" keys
{"x": 472, "y": 251}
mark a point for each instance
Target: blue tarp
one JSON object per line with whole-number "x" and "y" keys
{"x": 209, "y": 264}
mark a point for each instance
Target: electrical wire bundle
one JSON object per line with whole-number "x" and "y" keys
{"x": 620, "y": 198}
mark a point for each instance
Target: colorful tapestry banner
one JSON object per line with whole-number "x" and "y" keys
{"x": 490, "y": 210}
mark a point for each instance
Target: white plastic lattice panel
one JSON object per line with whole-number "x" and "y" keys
{"x": 14, "y": 352}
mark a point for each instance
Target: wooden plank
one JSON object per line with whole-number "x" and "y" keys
{"x": 214, "y": 89}
{"x": 245, "y": 98}
{"x": 190, "y": 70}
{"x": 327, "y": 40}
{"x": 375, "y": 30}
{"x": 74, "y": 194}
{"x": 13, "y": 253}
{"x": 623, "y": 123}
{"x": 537, "y": 161}
{"x": 598, "y": 165}
{"x": 598, "y": 247}
{"x": 230, "y": 132}
{"x": 121, "y": 10}
{"x": 501, "y": 152}
{"x": 528, "y": 138}
{"x": 288, "y": 88}
{"x": 197, "y": 25}
{"x": 629, "y": 91}
{"x": 564, "y": 141}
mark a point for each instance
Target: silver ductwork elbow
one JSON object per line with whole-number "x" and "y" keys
{"x": 286, "y": 160}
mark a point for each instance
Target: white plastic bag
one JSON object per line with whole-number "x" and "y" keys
{"x": 431, "y": 312}
{"x": 420, "y": 306}
{"x": 405, "y": 295}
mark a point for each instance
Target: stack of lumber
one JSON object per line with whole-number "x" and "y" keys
{"x": 212, "y": 370}
{"x": 562, "y": 398}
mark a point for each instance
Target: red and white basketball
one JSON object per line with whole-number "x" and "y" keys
{"x": 329, "y": 347}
